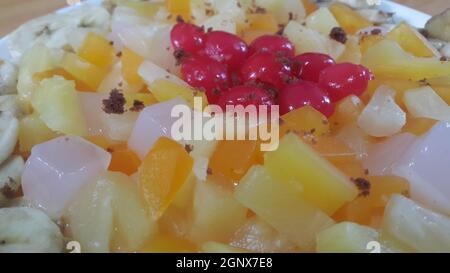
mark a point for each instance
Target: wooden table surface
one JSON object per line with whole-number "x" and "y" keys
{"x": 15, "y": 12}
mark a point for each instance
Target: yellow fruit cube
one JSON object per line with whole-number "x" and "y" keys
{"x": 304, "y": 120}
{"x": 180, "y": 7}
{"x": 346, "y": 112}
{"x": 131, "y": 62}
{"x": 278, "y": 204}
{"x": 97, "y": 50}
{"x": 412, "y": 41}
{"x": 33, "y": 131}
{"x": 263, "y": 22}
{"x": 348, "y": 19}
{"x": 319, "y": 182}
{"x": 352, "y": 53}
{"x": 82, "y": 70}
{"x": 367, "y": 41}
{"x": 163, "y": 172}
{"x": 165, "y": 90}
{"x": 57, "y": 103}
{"x": 346, "y": 237}
{"x": 146, "y": 98}
{"x": 388, "y": 59}
{"x": 216, "y": 213}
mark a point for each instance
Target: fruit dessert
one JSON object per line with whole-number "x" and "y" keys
{"x": 88, "y": 161}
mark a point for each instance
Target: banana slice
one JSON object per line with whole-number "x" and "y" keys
{"x": 9, "y": 132}
{"x": 10, "y": 103}
{"x": 10, "y": 174}
{"x": 59, "y": 30}
{"x": 28, "y": 230}
{"x": 8, "y": 78}
{"x": 439, "y": 26}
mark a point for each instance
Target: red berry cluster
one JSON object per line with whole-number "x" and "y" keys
{"x": 265, "y": 73}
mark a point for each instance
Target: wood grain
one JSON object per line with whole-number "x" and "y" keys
{"x": 15, "y": 12}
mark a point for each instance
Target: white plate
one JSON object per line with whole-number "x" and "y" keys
{"x": 402, "y": 13}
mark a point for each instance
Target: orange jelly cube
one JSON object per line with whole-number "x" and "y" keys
{"x": 233, "y": 158}
{"x": 348, "y": 19}
{"x": 249, "y": 35}
{"x": 97, "y": 50}
{"x": 180, "y": 7}
{"x": 367, "y": 208}
{"x": 304, "y": 120}
{"x": 123, "y": 159}
{"x": 346, "y": 112}
{"x": 309, "y": 6}
{"x": 131, "y": 62}
{"x": 264, "y": 22}
{"x": 162, "y": 173}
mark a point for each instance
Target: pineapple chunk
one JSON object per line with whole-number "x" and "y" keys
{"x": 33, "y": 131}
{"x": 258, "y": 236}
{"x": 87, "y": 73}
{"x": 108, "y": 215}
{"x": 423, "y": 102}
{"x": 309, "y": 40}
{"x": 279, "y": 205}
{"x": 37, "y": 59}
{"x": 216, "y": 214}
{"x": 90, "y": 217}
{"x": 97, "y": 50}
{"x": 58, "y": 105}
{"x": 165, "y": 90}
{"x": 262, "y": 22}
{"x": 146, "y": 98}
{"x": 346, "y": 237}
{"x": 132, "y": 225}
{"x": 221, "y": 22}
{"x": 388, "y": 59}
{"x": 145, "y": 9}
{"x": 318, "y": 182}
{"x": 352, "y": 53}
{"x": 419, "y": 228}
{"x": 412, "y": 41}
{"x": 347, "y": 112}
{"x": 322, "y": 20}
{"x": 215, "y": 247}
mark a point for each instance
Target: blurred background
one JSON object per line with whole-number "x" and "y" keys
{"x": 15, "y": 12}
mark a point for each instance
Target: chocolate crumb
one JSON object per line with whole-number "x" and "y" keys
{"x": 7, "y": 190}
{"x": 119, "y": 54}
{"x": 209, "y": 171}
{"x": 338, "y": 34}
{"x": 180, "y": 55}
{"x": 366, "y": 171}
{"x": 443, "y": 59}
{"x": 115, "y": 104}
{"x": 109, "y": 150}
{"x": 120, "y": 84}
{"x": 180, "y": 19}
{"x": 209, "y": 12}
{"x": 111, "y": 43}
{"x": 291, "y": 16}
{"x": 189, "y": 148}
{"x": 137, "y": 106}
{"x": 313, "y": 130}
{"x": 363, "y": 186}
{"x": 376, "y": 31}
{"x": 260, "y": 10}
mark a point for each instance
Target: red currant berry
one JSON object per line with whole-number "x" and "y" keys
{"x": 342, "y": 80}
{"x": 273, "y": 43}
{"x": 268, "y": 68}
{"x": 201, "y": 72}
{"x": 187, "y": 37}
{"x": 309, "y": 65}
{"x": 245, "y": 95}
{"x": 304, "y": 93}
{"x": 225, "y": 48}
